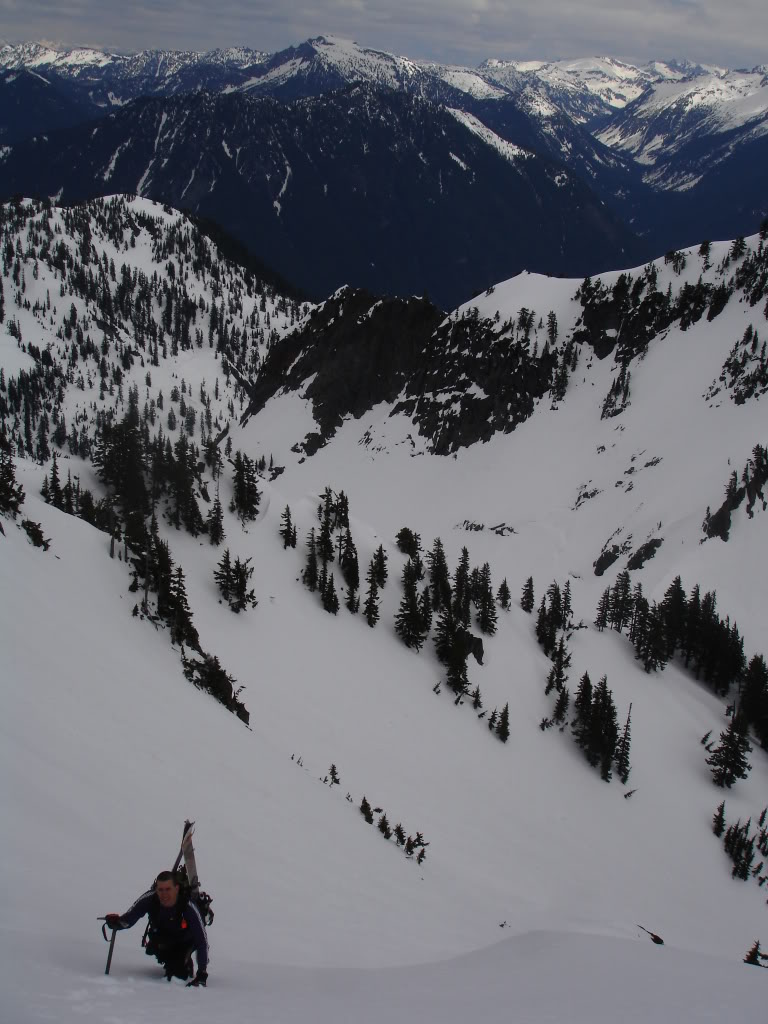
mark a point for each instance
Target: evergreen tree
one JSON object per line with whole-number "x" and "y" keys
{"x": 462, "y": 592}
{"x": 182, "y": 630}
{"x": 349, "y": 565}
{"x": 11, "y": 493}
{"x": 651, "y": 642}
{"x": 223, "y": 575}
{"x": 673, "y": 613}
{"x": 622, "y": 751}
{"x": 502, "y": 728}
{"x": 601, "y": 615}
{"x": 371, "y": 606}
{"x": 450, "y": 649}
{"x": 246, "y": 495}
{"x": 54, "y": 488}
{"x": 409, "y": 624}
{"x": 439, "y": 577}
{"x": 754, "y": 698}
{"x": 384, "y": 828}
{"x": 583, "y": 709}
{"x": 527, "y": 599}
{"x": 309, "y": 576}
{"x": 287, "y": 530}
{"x": 330, "y": 598}
{"x": 425, "y": 610}
{"x": 728, "y": 761}
{"x": 409, "y": 543}
{"x": 487, "y": 617}
{"x": 503, "y": 595}
{"x": 241, "y": 596}
{"x": 365, "y": 810}
{"x": 380, "y": 561}
{"x": 561, "y": 660}
{"x": 718, "y": 821}
{"x": 325, "y": 548}
{"x": 561, "y": 706}
{"x": 604, "y": 731}
{"x": 754, "y": 956}
{"x": 215, "y": 522}
{"x": 621, "y": 603}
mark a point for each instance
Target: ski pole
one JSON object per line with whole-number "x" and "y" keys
{"x": 110, "y": 941}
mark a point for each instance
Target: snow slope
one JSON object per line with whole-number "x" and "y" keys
{"x": 538, "y": 878}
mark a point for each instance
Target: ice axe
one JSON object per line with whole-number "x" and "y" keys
{"x": 110, "y": 940}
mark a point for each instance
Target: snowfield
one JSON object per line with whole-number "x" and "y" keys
{"x": 541, "y": 882}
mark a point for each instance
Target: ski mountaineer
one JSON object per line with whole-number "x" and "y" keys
{"x": 176, "y": 929}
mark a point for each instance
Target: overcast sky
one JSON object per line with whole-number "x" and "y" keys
{"x": 733, "y": 33}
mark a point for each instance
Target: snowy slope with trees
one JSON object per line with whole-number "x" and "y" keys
{"x": 523, "y": 882}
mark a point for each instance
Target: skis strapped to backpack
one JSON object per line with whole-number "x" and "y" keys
{"x": 188, "y": 878}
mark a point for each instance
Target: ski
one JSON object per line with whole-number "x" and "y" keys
{"x": 187, "y": 852}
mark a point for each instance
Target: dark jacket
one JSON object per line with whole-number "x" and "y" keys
{"x": 179, "y": 925}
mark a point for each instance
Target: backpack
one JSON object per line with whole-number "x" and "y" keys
{"x": 195, "y": 895}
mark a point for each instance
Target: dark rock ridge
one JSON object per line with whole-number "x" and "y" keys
{"x": 356, "y": 351}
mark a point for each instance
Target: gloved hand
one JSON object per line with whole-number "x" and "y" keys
{"x": 200, "y": 979}
{"x": 113, "y": 921}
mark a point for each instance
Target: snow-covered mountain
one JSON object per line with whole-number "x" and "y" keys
{"x": 654, "y": 145}
{"x": 380, "y": 189}
{"x": 568, "y": 431}
{"x": 113, "y": 79}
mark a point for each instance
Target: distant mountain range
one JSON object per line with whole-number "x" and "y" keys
{"x": 340, "y": 164}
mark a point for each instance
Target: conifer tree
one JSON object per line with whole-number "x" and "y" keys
{"x": 182, "y": 629}
{"x": 673, "y": 613}
{"x": 601, "y": 615}
{"x": 487, "y": 617}
{"x": 54, "y": 488}
{"x": 223, "y": 575}
{"x": 241, "y": 596}
{"x": 371, "y": 606}
{"x": 215, "y": 522}
{"x": 502, "y": 728}
{"x": 425, "y": 610}
{"x": 439, "y": 577}
{"x": 622, "y": 750}
{"x": 503, "y": 595}
{"x": 287, "y": 531}
{"x": 325, "y": 548}
{"x": 754, "y": 698}
{"x": 409, "y": 624}
{"x": 309, "y": 576}
{"x": 380, "y": 561}
{"x": 728, "y": 761}
{"x": 384, "y": 828}
{"x": 561, "y": 706}
{"x": 365, "y": 810}
{"x": 330, "y": 598}
{"x": 718, "y": 821}
{"x": 462, "y": 591}
{"x": 349, "y": 566}
{"x": 621, "y": 604}
{"x": 527, "y": 599}
{"x": 11, "y": 493}
{"x": 583, "y": 709}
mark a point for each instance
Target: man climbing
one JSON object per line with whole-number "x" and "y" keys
{"x": 175, "y": 932}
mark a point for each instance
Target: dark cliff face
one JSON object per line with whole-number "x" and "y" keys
{"x": 459, "y": 380}
{"x": 356, "y": 351}
{"x": 475, "y": 380}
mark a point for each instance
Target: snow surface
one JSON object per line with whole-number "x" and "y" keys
{"x": 539, "y": 877}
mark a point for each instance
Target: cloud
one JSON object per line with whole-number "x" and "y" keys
{"x": 460, "y": 31}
